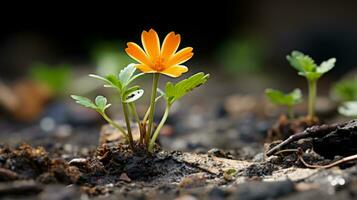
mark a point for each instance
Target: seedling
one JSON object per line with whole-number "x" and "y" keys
{"x": 345, "y": 90}
{"x": 348, "y": 109}
{"x": 156, "y": 60}
{"x": 306, "y": 67}
{"x": 290, "y": 99}
{"x": 57, "y": 78}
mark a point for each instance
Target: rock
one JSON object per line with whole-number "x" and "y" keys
{"x": 167, "y": 130}
{"x": 78, "y": 161}
{"x": 60, "y": 192}
{"x": 109, "y": 134}
{"x": 217, "y": 152}
{"x": 25, "y": 100}
{"x": 193, "y": 180}
{"x": 263, "y": 190}
{"x": 259, "y": 169}
{"x": 212, "y": 164}
{"x": 238, "y": 105}
{"x": 186, "y": 197}
{"x": 217, "y": 194}
{"x": 124, "y": 177}
{"x": 20, "y": 188}
{"x": 258, "y": 158}
{"x": 8, "y": 175}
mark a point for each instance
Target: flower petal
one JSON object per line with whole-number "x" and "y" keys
{"x": 145, "y": 68}
{"x": 180, "y": 57}
{"x": 137, "y": 53}
{"x": 151, "y": 43}
{"x": 170, "y": 45}
{"x": 175, "y": 71}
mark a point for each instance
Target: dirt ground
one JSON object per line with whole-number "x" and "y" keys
{"x": 206, "y": 152}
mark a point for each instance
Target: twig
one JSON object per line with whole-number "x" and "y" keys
{"x": 286, "y": 151}
{"x": 309, "y": 132}
{"x": 343, "y": 160}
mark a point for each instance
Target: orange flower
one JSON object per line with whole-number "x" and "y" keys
{"x": 164, "y": 60}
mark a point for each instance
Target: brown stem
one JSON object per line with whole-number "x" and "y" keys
{"x": 343, "y": 160}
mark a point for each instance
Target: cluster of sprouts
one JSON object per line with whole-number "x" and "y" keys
{"x": 307, "y": 68}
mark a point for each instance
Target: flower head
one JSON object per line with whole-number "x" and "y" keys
{"x": 155, "y": 59}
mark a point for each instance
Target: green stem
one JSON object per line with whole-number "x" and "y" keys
{"x": 127, "y": 121}
{"x": 312, "y": 98}
{"x": 115, "y": 125}
{"x": 135, "y": 113}
{"x": 157, "y": 131}
{"x": 291, "y": 112}
{"x": 148, "y": 111}
{"x": 137, "y": 119}
{"x": 152, "y": 106}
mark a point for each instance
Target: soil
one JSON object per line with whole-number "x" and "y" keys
{"x": 113, "y": 171}
{"x": 208, "y": 151}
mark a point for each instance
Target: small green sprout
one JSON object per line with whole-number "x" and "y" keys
{"x": 306, "y": 67}
{"x": 57, "y": 78}
{"x": 345, "y": 90}
{"x": 290, "y": 99}
{"x": 348, "y": 109}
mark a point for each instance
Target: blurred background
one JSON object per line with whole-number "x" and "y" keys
{"x": 47, "y": 51}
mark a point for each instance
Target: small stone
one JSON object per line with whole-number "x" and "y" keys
{"x": 20, "y": 187}
{"x": 186, "y": 197}
{"x": 264, "y": 190}
{"x": 78, "y": 162}
{"x": 217, "y": 152}
{"x": 258, "y": 158}
{"x": 193, "y": 180}
{"x": 60, "y": 192}
{"x": 8, "y": 175}
{"x": 63, "y": 131}
{"x": 124, "y": 177}
{"x": 167, "y": 130}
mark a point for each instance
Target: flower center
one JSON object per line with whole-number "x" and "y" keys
{"x": 159, "y": 64}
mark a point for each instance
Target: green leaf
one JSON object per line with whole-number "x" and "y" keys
{"x": 307, "y": 67}
{"x": 301, "y": 62}
{"x": 115, "y": 81}
{"x": 280, "y": 98}
{"x": 326, "y": 66}
{"x": 345, "y": 90}
{"x": 348, "y": 109}
{"x": 101, "y": 103}
{"x": 177, "y": 91}
{"x": 132, "y": 95}
{"x": 110, "y": 80}
{"x": 126, "y": 74}
{"x": 84, "y": 101}
{"x": 296, "y": 95}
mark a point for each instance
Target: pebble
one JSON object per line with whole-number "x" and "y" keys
{"x": 124, "y": 177}
{"x": 78, "y": 161}
{"x": 20, "y": 187}
{"x": 8, "y": 175}
{"x": 193, "y": 180}
{"x": 186, "y": 197}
